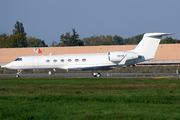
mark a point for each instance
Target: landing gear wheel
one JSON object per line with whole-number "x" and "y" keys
{"x": 17, "y": 76}
{"x": 98, "y": 75}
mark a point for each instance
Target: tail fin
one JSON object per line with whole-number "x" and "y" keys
{"x": 149, "y": 44}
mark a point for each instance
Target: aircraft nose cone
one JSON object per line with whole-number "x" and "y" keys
{"x": 9, "y": 65}
{"x": 2, "y": 66}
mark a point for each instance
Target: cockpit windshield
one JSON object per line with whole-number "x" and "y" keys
{"x": 18, "y": 59}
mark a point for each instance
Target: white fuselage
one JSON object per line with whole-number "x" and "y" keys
{"x": 67, "y": 62}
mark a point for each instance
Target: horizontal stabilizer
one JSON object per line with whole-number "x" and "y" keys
{"x": 158, "y": 34}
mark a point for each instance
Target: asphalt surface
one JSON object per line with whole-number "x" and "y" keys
{"x": 89, "y": 75}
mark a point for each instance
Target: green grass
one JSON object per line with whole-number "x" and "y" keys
{"x": 89, "y": 98}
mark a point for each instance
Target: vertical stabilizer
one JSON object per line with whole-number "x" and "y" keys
{"x": 149, "y": 44}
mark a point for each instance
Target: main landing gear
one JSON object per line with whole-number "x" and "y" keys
{"x": 18, "y": 72}
{"x": 96, "y": 73}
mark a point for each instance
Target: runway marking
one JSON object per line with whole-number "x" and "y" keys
{"x": 163, "y": 77}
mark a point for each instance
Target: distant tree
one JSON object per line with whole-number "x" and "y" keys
{"x": 127, "y": 41}
{"x": 14, "y": 41}
{"x": 71, "y": 40}
{"x": 19, "y": 28}
{"x": 102, "y": 40}
{"x": 102, "y": 37}
{"x": 65, "y": 39}
{"x": 117, "y": 40}
{"x": 74, "y": 39}
{"x": 177, "y": 41}
{"x": 54, "y": 44}
{"x": 86, "y": 41}
{"x": 10, "y": 42}
{"x": 95, "y": 40}
{"x": 19, "y": 36}
{"x": 133, "y": 40}
{"x": 19, "y": 39}
{"x": 107, "y": 41}
{"x": 3, "y": 38}
{"x": 35, "y": 42}
{"x": 168, "y": 40}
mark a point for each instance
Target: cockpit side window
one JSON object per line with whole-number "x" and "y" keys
{"x": 18, "y": 59}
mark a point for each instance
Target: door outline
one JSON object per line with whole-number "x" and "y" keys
{"x": 35, "y": 62}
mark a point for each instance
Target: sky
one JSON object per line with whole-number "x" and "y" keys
{"x": 48, "y": 19}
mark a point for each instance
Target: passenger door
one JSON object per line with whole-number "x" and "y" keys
{"x": 35, "y": 62}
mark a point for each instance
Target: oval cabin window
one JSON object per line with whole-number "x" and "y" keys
{"x": 76, "y": 60}
{"x": 47, "y": 61}
{"x": 69, "y": 60}
{"x": 55, "y": 60}
{"x": 84, "y": 60}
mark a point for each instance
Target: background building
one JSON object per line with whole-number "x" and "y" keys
{"x": 166, "y": 53}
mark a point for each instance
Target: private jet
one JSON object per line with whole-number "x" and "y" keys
{"x": 144, "y": 51}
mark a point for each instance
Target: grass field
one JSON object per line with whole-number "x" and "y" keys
{"x": 89, "y": 98}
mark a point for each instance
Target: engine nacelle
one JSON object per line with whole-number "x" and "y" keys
{"x": 117, "y": 56}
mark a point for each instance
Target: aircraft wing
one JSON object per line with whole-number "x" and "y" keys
{"x": 106, "y": 67}
{"x": 99, "y": 67}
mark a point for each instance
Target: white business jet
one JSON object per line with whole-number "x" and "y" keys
{"x": 145, "y": 50}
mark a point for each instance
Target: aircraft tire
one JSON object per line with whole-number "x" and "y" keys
{"x": 17, "y": 76}
{"x": 98, "y": 75}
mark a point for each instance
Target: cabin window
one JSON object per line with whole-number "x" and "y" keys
{"x": 62, "y": 60}
{"x": 69, "y": 60}
{"x": 47, "y": 61}
{"x": 84, "y": 60}
{"x": 18, "y": 59}
{"x": 55, "y": 60}
{"x": 76, "y": 60}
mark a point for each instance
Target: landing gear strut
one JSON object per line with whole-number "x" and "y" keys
{"x": 18, "y": 72}
{"x": 96, "y": 73}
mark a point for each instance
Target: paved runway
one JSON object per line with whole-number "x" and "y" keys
{"x": 89, "y": 75}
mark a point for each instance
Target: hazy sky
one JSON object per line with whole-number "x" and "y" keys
{"x": 48, "y": 19}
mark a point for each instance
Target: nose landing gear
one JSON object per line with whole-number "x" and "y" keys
{"x": 18, "y": 72}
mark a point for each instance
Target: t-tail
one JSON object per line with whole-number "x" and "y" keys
{"x": 149, "y": 44}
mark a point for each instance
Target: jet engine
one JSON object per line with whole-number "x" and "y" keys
{"x": 117, "y": 56}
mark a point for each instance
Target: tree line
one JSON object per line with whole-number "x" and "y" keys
{"x": 19, "y": 39}
{"x": 73, "y": 40}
